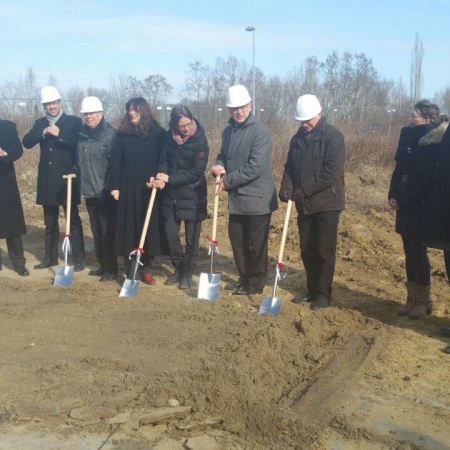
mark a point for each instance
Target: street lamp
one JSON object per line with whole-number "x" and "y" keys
{"x": 252, "y": 29}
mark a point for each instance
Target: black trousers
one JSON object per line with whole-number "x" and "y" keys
{"x": 186, "y": 259}
{"x": 447, "y": 263}
{"x": 417, "y": 263}
{"x": 51, "y": 221}
{"x": 318, "y": 241}
{"x": 102, "y": 219}
{"x": 249, "y": 237}
{"x": 15, "y": 252}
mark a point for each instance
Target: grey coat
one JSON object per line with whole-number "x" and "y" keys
{"x": 246, "y": 154}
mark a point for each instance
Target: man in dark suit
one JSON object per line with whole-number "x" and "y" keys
{"x": 56, "y": 134}
{"x": 12, "y": 222}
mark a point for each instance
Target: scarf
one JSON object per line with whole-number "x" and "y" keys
{"x": 179, "y": 139}
{"x": 55, "y": 119}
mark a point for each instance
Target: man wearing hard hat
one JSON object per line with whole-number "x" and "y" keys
{"x": 95, "y": 142}
{"x": 314, "y": 178}
{"x": 56, "y": 133}
{"x": 245, "y": 155}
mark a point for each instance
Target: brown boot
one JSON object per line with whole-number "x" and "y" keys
{"x": 411, "y": 289}
{"x": 424, "y": 305}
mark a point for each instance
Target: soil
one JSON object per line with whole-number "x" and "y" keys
{"x": 83, "y": 368}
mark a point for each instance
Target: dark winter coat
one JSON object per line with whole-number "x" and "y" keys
{"x": 58, "y": 156}
{"x": 186, "y": 192}
{"x": 438, "y": 223}
{"x": 12, "y": 222}
{"x": 246, "y": 154}
{"x": 315, "y": 165}
{"x": 133, "y": 162}
{"x": 412, "y": 178}
{"x": 93, "y": 155}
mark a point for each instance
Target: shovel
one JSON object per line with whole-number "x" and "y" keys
{"x": 209, "y": 285}
{"x": 64, "y": 275}
{"x": 131, "y": 286}
{"x": 272, "y": 305}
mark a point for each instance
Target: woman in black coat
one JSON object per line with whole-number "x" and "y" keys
{"x": 409, "y": 195}
{"x": 134, "y": 160}
{"x": 12, "y": 222}
{"x": 181, "y": 175}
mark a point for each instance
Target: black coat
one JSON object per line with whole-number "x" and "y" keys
{"x": 412, "y": 178}
{"x": 133, "y": 161}
{"x": 315, "y": 165}
{"x": 12, "y": 222}
{"x": 438, "y": 224}
{"x": 58, "y": 157}
{"x": 186, "y": 192}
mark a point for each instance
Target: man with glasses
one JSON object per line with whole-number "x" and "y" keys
{"x": 245, "y": 155}
{"x": 314, "y": 178}
{"x": 56, "y": 133}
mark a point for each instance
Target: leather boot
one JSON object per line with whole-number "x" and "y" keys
{"x": 175, "y": 277}
{"x": 424, "y": 305}
{"x": 185, "y": 280}
{"x": 411, "y": 289}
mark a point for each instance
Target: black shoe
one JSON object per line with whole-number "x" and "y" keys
{"x": 232, "y": 286}
{"x": 97, "y": 272}
{"x": 108, "y": 277}
{"x": 247, "y": 291}
{"x": 78, "y": 267}
{"x": 46, "y": 264}
{"x": 304, "y": 298}
{"x": 173, "y": 279}
{"x": 320, "y": 303}
{"x": 23, "y": 271}
{"x": 445, "y": 331}
{"x": 185, "y": 281}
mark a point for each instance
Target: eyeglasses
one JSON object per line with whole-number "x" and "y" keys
{"x": 184, "y": 126}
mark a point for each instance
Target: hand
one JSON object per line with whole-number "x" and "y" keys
{"x": 298, "y": 195}
{"x": 220, "y": 187}
{"x": 217, "y": 170}
{"x": 285, "y": 195}
{"x": 115, "y": 194}
{"x": 3, "y": 154}
{"x": 393, "y": 204}
{"x": 162, "y": 176}
{"x": 51, "y": 129}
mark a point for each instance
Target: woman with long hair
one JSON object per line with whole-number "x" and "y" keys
{"x": 409, "y": 195}
{"x": 134, "y": 161}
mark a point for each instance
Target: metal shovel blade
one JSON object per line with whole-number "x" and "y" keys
{"x": 209, "y": 286}
{"x": 63, "y": 276}
{"x": 129, "y": 288}
{"x": 270, "y": 306}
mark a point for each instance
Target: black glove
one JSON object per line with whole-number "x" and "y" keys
{"x": 284, "y": 195}
{"x": 297, "y": 195}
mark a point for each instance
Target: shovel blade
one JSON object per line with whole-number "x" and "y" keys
{"x": 209, "y": 286}
{"x": 270, "y": 306}
{"x": 63, "y": 276}
{"x": 129, "y": 288}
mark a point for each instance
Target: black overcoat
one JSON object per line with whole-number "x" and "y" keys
{"x": 58, "y": 157}
{"x": 133, "y": 161}
{"x": 186, "y": 192}
{"x": 12, "y": 222}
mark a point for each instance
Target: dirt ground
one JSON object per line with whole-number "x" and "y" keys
{"x": 82, "y": 368}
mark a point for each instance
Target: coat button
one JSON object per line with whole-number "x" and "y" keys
{"x": 50, "y": 162}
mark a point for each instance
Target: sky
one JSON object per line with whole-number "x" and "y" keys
{"x": 87, "y": 42}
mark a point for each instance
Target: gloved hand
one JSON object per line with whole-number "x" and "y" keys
{"x": 284, "y": 195}
{"x": 297, "y": 195}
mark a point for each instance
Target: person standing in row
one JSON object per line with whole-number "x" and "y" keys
{"x": 314, "y": 178}
{"x": 12, "y": 221}
{"x": 134, "y": 160}
{"x": 410, "y": 195}
{"x": 57, "y": 135}
{"x": 96, "y": 139}
{"x": 182, "y": 166}
{"x": 245, "y": 155}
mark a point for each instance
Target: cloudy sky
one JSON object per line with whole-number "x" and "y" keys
{"x": 86, "y": 42}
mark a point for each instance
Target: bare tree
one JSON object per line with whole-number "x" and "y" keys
{"x": 416, "y": 74}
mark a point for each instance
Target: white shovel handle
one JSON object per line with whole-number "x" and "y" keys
{"x": 147, "y": 218}
{"x": 285, "y": 229}
{"x": 69, "y": 178}
{"x": 216, "y": 209}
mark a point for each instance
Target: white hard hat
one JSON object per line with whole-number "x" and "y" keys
{"x": 90, "y": 105}
{"x": 307, "y": 107}
{"x": 237, "y": 96}
{"x": 49, "y": 94}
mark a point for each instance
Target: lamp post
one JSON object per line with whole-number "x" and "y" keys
{"x": 252, "y": 29}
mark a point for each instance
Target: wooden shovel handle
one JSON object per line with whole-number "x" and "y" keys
{"x": 69, "y": 178}
{"x": 147, "y": 217}
{"x": 285, "y": 229}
